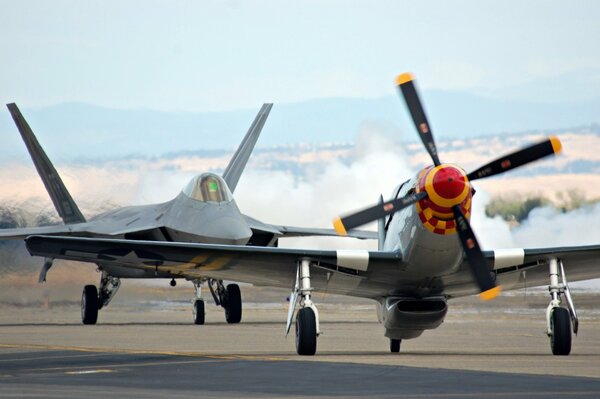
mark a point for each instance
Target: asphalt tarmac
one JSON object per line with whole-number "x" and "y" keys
{"x": 153, "y": 351}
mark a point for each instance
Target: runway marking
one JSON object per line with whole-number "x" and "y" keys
{"x": 82, "y": 369}
{"x": 89, "y": 371}
{"x": 54, "y": 357}
{"x": 143, "y": 352}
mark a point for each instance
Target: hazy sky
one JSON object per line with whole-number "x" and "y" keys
{"x": 220, "y": 55}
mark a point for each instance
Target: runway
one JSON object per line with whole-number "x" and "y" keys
{"x": 69, "y": 373}
{"x": 149, "y": 351}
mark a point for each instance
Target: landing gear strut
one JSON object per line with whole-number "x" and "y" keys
{"x": 92, "y": 299}
{"x": 307, "y": 318}
{"x": 230, "y": 298}
{"x": 198, "y": 303}
{"x": 559, "y": 319}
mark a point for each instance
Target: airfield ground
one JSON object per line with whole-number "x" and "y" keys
{"x": 46, "y": 348}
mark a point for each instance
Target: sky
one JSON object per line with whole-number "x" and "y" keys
{"x": 223, "y": 55}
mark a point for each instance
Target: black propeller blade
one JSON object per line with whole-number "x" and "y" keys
{"x": 479, "y": 267}
{"x": 342, "y": 225}
{"x": 407, "y": 87}
{"x": 519, "y": 158}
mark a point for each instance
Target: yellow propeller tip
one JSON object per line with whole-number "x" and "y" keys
{"x": 556, "y": 144}
{"x": 339, "y": 226}
{"x": 404, "y": 78}
{"x": 491, "y": 293}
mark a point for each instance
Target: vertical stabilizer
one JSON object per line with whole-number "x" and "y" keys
{"x": 63, "y": 202}
{"x": 240, "y": 158}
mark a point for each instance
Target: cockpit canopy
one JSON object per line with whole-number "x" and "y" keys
{"x": 208, "y": 187}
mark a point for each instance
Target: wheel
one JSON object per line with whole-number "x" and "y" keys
{"x": 560, "y": 340}
{"x": 199, "y": 313}
{"x": 306, "y": 332}
{"x": 89, "y": 305}
{"x": 395, "y": 345}
{"x": 233, "y": 304}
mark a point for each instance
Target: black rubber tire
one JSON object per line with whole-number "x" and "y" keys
{"x": 199, "y": 312}
{"x": 233, "y": 304}
{"x": 560, "y": 340}
{"x": 89, "y": 305}
{"x": 395, "y": 345}
{"x": 306, "y": 332}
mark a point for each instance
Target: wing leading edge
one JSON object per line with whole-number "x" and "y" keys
{"x": 359, "y": 273}
{"x": 256, "y": 265}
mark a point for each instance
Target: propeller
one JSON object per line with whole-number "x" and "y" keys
{"x": 447, "y": 187}
{"x": 406, "y": 84}
{"x": 375, "y": 212}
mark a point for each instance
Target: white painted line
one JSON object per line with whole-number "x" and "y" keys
{"x": 89, "y": 372}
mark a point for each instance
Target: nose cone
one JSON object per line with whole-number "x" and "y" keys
{"x": 226, "y": 229}
{"x": 446, "y": 185}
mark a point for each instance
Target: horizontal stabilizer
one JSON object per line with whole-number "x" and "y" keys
{"x": 63, "y": 202}
{"x": 240, "y": 158}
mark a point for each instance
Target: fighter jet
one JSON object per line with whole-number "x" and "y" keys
{"x": 428, "y": 254}
{"x": 204, "y": 212}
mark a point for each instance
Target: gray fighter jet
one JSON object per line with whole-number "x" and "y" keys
{"x": 428, "y": 254}
{"x": 204, "y": 212}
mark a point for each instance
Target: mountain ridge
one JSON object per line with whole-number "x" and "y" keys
{"x": 79, "y": 130}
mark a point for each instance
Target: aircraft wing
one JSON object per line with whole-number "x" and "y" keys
{"x": 22, "y": 233}
{"x": 522, "y": 268}
{"x": 291, "y": 231}
{"x": 370, "y": 274}
{"x": 340, "y": 271}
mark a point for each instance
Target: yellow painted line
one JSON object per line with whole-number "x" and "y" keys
{"x": 111, "y": 366}
{"x": 54, "y": 357}
{"x": 142, "y": 352}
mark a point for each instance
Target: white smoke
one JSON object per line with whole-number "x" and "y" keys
{"x": 377, "y": 166}
{"x": 327, "y": 189}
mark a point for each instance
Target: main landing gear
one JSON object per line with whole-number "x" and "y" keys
{"x": 92, "y": 300}
{"x": 559, "y": 319}
{"x": 229, "y": 298}
{"x": 307, "y": 318}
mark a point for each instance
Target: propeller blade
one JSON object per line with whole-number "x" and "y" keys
{"x": 479, "y": 267}
{"x": 406, "y": 84}
{"x": 342, "y": 225}
{"x": 519, "y": 158}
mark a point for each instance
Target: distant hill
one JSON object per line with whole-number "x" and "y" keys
{"x": 79, "y": 131}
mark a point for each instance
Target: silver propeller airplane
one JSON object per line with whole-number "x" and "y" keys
{"x": 204, "y": 212}
{"x": 428, "y": 254}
